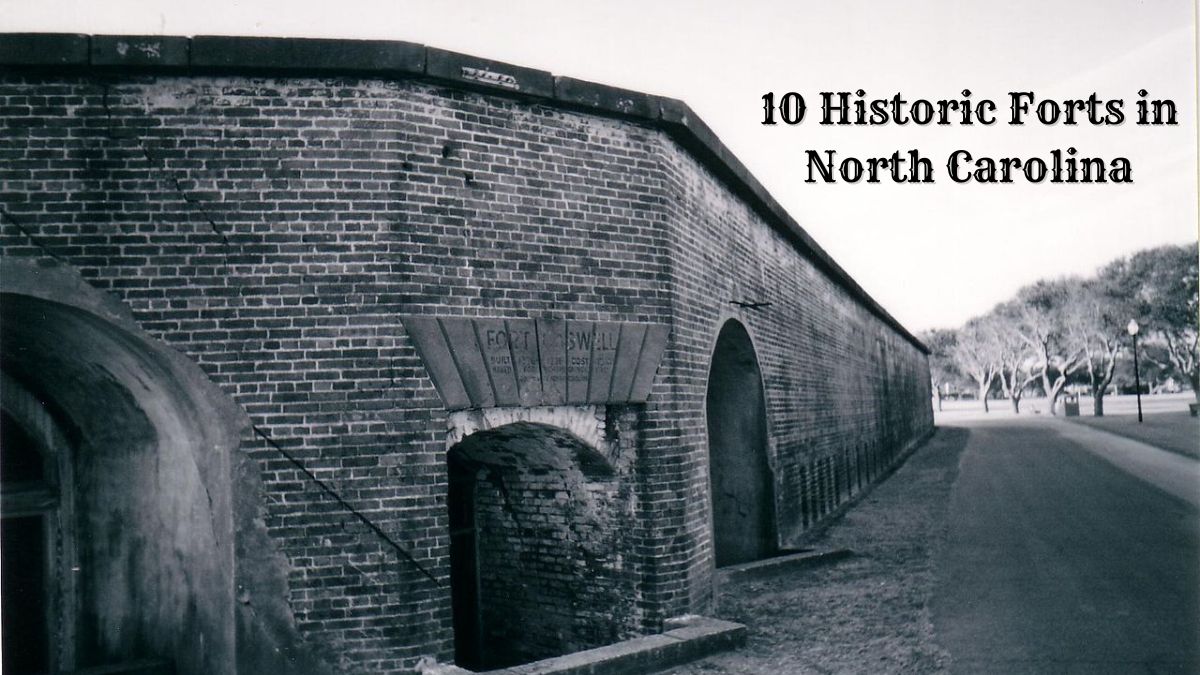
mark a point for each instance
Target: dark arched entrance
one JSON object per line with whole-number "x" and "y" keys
{"x": 117, "y": 520}
{"x": 740, "y": 477}
{"x": 537, "y": 524}
{"x": 36, "y": 536}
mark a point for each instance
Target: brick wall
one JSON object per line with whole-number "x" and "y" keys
{"x": 845, "y": 393}
{"x": 273, "y": 229}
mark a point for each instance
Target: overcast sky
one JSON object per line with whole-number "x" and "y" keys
{"x": 934, "y": 254}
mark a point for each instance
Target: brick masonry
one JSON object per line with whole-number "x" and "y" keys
{"x": 272, "y": 223}
{"x": 553, "y": 508}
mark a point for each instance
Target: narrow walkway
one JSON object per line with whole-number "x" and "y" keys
{"x": 1171, "y": 472}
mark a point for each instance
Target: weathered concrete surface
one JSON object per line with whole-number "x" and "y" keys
{"x": 151, "y": 481}
{"x": 781, "y": 564}
{"x": 164, "y": 493}
{"x": 692, "y": 638}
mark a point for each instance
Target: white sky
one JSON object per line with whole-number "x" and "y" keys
{"x": 933, "y": 255}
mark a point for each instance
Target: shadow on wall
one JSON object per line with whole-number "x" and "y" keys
{"x": 140, "y": 450}
{"x": 153, "y": 529}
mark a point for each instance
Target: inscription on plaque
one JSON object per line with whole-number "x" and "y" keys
{"x": 605, "y": 338}
{"x": 552, "y": 347}
{"x": 579, "y": 360}
{"x": 494, "y": 340}
{"x": 484, "y": 362}
{"x": 490, "y": 76}
{"x": 523, "y": 343}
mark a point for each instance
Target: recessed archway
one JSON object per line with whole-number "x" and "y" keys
{"x": 743, "y": 503}
{"x": 37, "y": 532}
{"x": 537, "y": 523}
{"x": 135, "y": 445}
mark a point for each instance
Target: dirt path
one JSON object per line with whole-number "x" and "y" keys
{"x": 866, "y": 614}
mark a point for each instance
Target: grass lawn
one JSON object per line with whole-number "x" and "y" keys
{"x": 1175, "y": 431}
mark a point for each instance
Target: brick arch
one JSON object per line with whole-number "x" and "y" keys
{"x": 588, "y": 423}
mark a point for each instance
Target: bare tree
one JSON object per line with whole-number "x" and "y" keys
{"x": 943, "y": 370}
{"x": 1054, "y": 329}
{"x": 1016, "y": 362}
{"x": 1039, "y": 313}
{"x": 976, "y": 355}
{"x": 1095, "y": 320}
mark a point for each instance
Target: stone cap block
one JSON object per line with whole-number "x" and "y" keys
{"x": 603, "y": 97}
{"x": 139, "y": 50}
{"x": 43, "y": 49}
{"x": 475, "y": 72}
{"x": 305, "y": 54}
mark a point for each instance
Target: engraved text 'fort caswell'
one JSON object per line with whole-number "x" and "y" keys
{"x": 485, "y": 362}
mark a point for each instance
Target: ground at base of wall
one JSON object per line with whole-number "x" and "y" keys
{"x": 867, "y": 613}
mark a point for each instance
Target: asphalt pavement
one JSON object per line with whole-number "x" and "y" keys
{"x": 1068, "y": 550}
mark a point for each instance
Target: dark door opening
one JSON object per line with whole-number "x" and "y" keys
{"x": 537, "y": 522}
{"x": 464, "y": 567}
{"x": 24, "y": 548}
{"x": 740, "y": 477}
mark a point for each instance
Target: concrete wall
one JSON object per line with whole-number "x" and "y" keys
{"x": 154, "y": 509}
{"x": 153, "y": 532}
{"x": 273, "y": 229}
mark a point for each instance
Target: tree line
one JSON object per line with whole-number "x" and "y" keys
{"x": 1073, "y": 330}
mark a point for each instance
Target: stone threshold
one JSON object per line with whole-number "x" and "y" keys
{"x": 688, "y": 638}
{"x": 781, "y": 563}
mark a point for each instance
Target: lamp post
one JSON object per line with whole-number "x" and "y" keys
{"x": 1137, "y": 378}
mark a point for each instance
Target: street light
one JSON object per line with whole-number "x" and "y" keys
{"x": 1137, "y": 378}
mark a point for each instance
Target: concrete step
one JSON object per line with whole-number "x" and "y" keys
{"x": 781, "y": 564}
{"x": 688, "y": 638}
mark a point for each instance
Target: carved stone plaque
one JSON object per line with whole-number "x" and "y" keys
{"x": 487, "y": 362}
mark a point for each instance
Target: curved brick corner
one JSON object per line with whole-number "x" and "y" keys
{"x": 388, "y": 58}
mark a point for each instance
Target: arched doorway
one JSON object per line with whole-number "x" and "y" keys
{"x": 119, "y": 456}
{"x": 37, "y": 533}
{"x": 743, "y": 504}
{"x": 538, "y": 521}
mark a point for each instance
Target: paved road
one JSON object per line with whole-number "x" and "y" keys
{"x": 1059, "y": 561}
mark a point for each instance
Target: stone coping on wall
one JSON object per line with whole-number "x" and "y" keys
{"x": 205, "y": 54}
